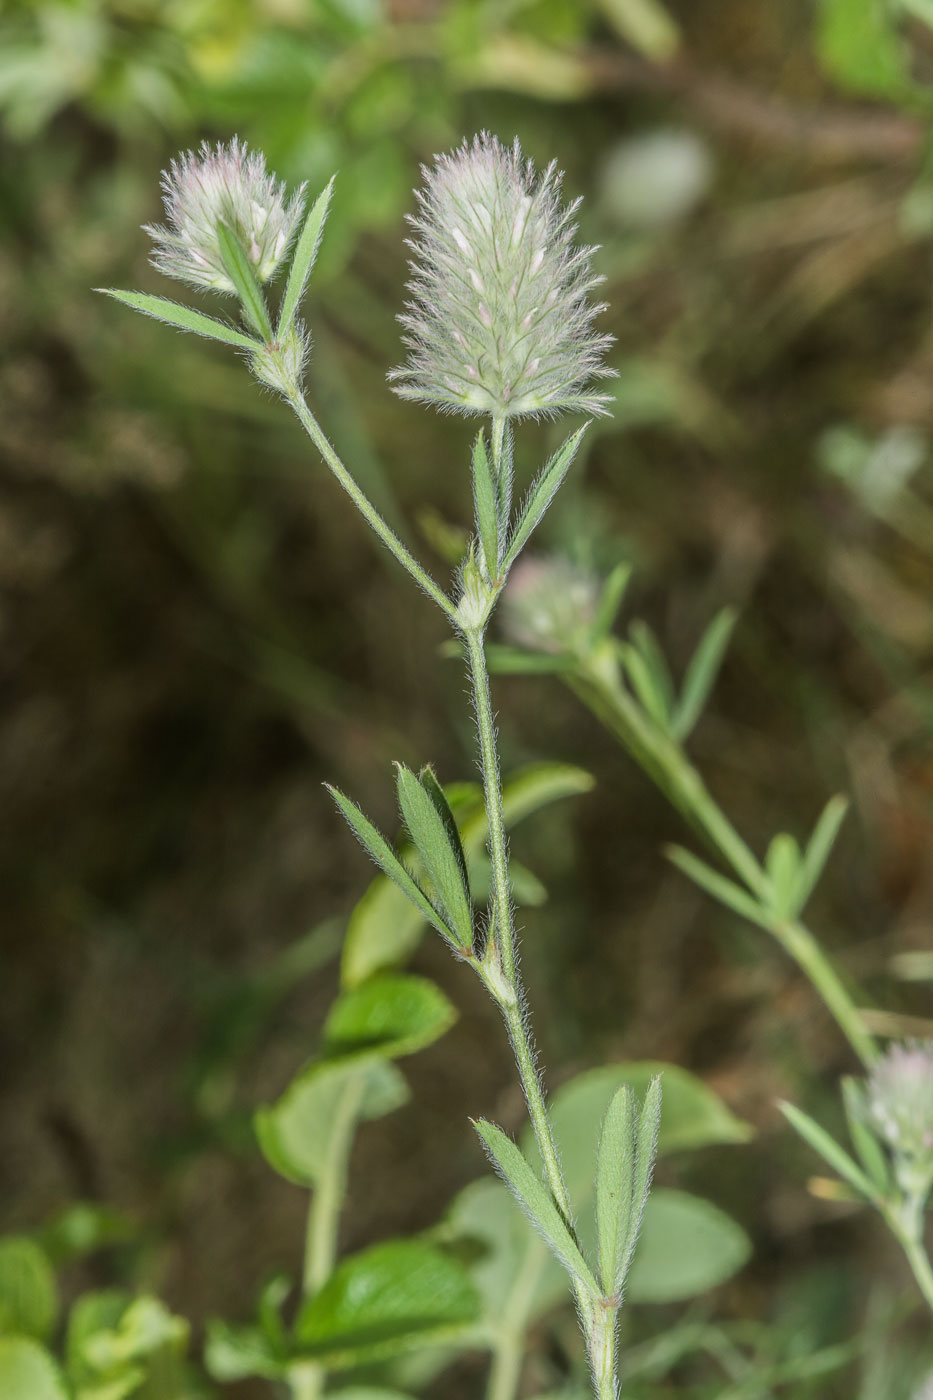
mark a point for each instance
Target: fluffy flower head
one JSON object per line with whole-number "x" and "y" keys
{"x": 500, "y": 320}
{"x": 549, "y": 605}
{"x": 900, "y": 1099}
{"x": 226, "y": 184}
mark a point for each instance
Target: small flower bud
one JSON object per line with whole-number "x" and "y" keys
{"x": 476, "y": 597}
{"x": 224, "y": 185}
{"x": 549, "y": 605}
{"x": 900, "y": 1104}
{"x": 501, "y": 316}
{"x": 281, "y": 365}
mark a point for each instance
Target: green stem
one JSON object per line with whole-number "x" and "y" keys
{"x": 509, "y": 1346}
{"x": 911, "y": 1241}
{"x": 366, "y": 508}
{"x": 667, "y": 765}
{"x": 329, "y": 1191}
{"x": 306, "y": 1378}
{"x": 511, "y": 996}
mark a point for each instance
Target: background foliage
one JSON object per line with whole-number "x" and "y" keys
{"x": 196, "y": 633}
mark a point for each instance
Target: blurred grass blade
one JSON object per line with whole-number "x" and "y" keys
{"x": 782, "y": 864}
{"x": 304, "y": 259}
{"x": 702, "y": 672}
{"x": 485, "y": 497}
{"x": 389, "y": 863}
{"x": 819, "y": 847}
{"x": 540, "y": 494}
{"x": 610, "y": 601}
{"x": 864, "y": 1141}
{"x": 721, "y": 888}
{"x": 829, "y": 1150}
{"x": 244, "y": 279}
{"x": 615, "y": 1173}
{"x": 536, "y": 1201}
{"x": 182, "y": 317}
{"x": 440, "y": 850}
{"x": 645, "y": 24}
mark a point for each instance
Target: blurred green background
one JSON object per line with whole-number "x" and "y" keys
{"x": 196, "y": 630}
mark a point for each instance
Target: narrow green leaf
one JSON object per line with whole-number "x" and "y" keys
{"x": 486, "y": 502}
{"x": 610, "y": 601}
{"x": 649, "y": 688}
{"x": 304, "y": 259}
{"x": 182, "y": 317}
{"x": 393, "y": 1297}
{"x": 782, "y": 864}
{"x": 440, "y": 851}
{"x": 647, "y": 643}
{"x": 428, "y": 780}
{"x": 869, "y": 1149}
{"x": 732, "y": 895}
{"x": 390, "y": 1015}
{"x": 646, "y": 1151}
{"x": 615, "y": 1171}
{"x": 829, "y": 1150}
{"x": 540, "y": 495}
{"x": 819, "y": 847}
{"x": 511, "y": 661}
{"x": 537, "y": 1202}
{"x": 384, "y": 856}
{"x": 244, "y": 279}
{"x": 701, "y": 674}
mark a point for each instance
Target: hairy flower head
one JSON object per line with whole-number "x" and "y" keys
{"x": 900, "y": 1099}
{"x": 549, "y": 605}
{"x": 500, "y": 320}
{"x": 226, "y": 184}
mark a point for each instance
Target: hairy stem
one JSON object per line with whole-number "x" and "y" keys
{"x": 366, "y": 508}
{"x": 502, "y": 933}
{"x": 668, "y": 766}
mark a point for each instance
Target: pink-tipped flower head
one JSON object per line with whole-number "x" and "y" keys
{"x": 900, "y": 1099}
{"x": 501, "y": 317}
{"x": 549, "y": 605}
{"x": 226, "y": 184}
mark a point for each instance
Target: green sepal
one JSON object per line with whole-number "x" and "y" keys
{"x": 701, "y": 673}
{"x": 304, "y": 259}
{"x": 486, "y": 502}
{"x": 183, "y": 318}
{"x": 536, "y": 1201}
{"x": 433, "y": 830}
{"x": 243, "y": 277}
{"x": 828, "y": 1148}
{"x": 540, "y": 494}
{"x": 721, "y": 888}
{"x": 384, "y": 856}
{"x": 819, "y": 847}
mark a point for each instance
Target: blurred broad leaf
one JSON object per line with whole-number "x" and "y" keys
{"x": 511, "y": 1262}
{"x": 387, "y": 1299}
{"x": 235, "y": 1353}
{"x": 860, "y": 47}
{"x": 691, "y": 1116}
{"x": 27, "y": 1371}
{"x": 294, "y": 1132}
{"x": 687, "y": 1246}
{"x": 28, "y": 1291}
{"x": 391, "y": 1015}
